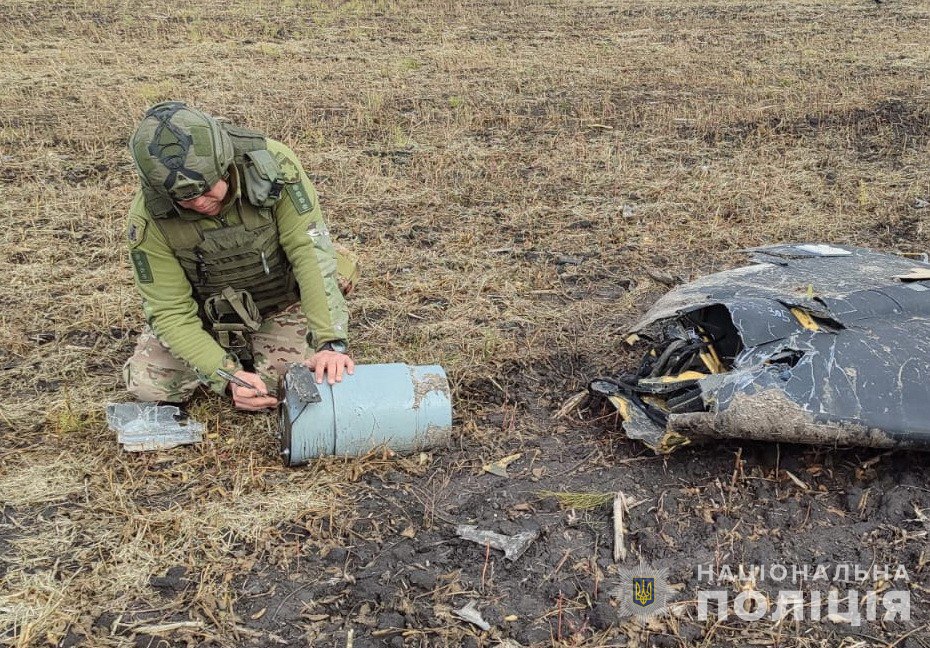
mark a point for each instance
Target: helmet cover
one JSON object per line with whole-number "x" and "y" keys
{"x": 180, "y": 152}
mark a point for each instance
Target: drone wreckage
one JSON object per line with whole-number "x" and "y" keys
{"x": 811, "y": 343}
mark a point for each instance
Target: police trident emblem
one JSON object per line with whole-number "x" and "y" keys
{"x": 643, "y": 591}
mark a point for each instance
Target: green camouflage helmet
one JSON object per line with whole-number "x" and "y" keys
{"x": 180, "y": 152}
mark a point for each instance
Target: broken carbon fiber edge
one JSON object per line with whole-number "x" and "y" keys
{"x": 811, "y": 344}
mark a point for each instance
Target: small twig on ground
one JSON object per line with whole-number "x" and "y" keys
{"x": 577, "y": 465}
{"x": 595, "y": 568}
{"x": 287, "y": 597}
{"x": 487, "y": 559}
{"x": 168, "y": 627}
{"x": 737, "y": 468}
{"x": 558, "y": 567}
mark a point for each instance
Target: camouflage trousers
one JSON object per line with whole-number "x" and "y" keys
{"x": 152, "y": 373}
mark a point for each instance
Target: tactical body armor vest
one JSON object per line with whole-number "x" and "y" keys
{"x": 245, "y": 259}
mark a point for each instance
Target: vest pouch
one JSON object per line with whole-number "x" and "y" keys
{"x": 263, "y": 181}
{"x": 233, "y": 317}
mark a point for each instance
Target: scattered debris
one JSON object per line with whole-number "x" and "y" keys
{"x": 664, "y": 278}
{"x": 471, "y": 614}
{"x": 409, "y": 532}
{"x": 569, "y": 260}
{"x": 800, "y": 484}
{"x": 810, "y": 344}
{"x": 571, "y": 404}
{"x": 499, "y": 467}
{"x": 513, "y": 546}
{"x": 141, "y": 427}
{"x": 41, "y": 337}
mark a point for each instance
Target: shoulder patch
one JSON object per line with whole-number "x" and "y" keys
{"x": 289, "y": 170}
{"x": 135, "y": 231}
{"x": 300, "y": 197}
{"x": 140, "y": 261}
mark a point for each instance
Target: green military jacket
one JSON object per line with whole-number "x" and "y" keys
{"x": 168, "y": 297}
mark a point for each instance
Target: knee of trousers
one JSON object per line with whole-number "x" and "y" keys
{"x": 149, "y": 383}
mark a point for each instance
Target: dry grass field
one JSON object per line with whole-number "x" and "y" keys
{"x": 512, "y": 174}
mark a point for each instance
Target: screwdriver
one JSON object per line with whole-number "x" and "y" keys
{"x": 222, "y": 373}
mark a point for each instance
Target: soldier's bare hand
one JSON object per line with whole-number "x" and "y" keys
{"x": 251, "y": 400}
{"x": 331, "y": 363}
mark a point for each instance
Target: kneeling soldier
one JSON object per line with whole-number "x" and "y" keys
{"x": 234, "y": 263}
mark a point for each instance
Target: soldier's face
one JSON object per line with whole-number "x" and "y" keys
{"x": 208, "y": 203}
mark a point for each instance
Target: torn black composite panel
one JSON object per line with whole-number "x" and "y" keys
{"x": 822, "y": 344}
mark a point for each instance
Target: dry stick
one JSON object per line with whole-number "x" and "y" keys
{"x": 558, "y": 567}
{"x": 737, "y": 467}
{"x": 289, "y": 595}
{"x": 907, "y": 634}
{"x": 168, "y": 627}
{"x": 487, "y": 558}
{"x": 594, "y": 567}
{"x": 619, "y": 545}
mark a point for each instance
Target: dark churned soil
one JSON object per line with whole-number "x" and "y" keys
{"x": 393, "y": 572}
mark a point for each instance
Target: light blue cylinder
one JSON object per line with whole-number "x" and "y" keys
{"x": 403, "y": 407}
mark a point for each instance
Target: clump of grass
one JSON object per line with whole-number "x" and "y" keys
{"x": 579, "y": 500}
